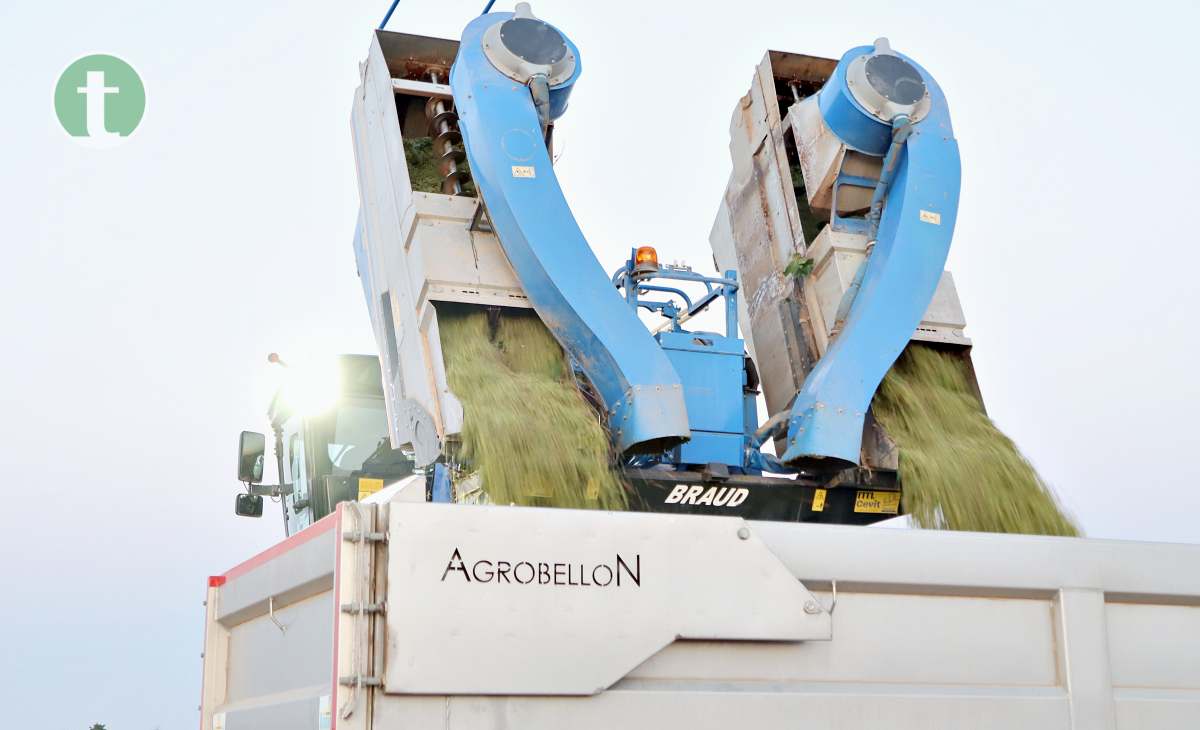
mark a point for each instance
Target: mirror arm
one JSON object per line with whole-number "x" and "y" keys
{"x": 269, "y": 490}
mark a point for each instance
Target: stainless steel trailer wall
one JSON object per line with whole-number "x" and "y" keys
{"x": 716, "y": 623}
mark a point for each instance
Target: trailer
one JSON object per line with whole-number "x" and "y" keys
{"x": 396, "y": 613}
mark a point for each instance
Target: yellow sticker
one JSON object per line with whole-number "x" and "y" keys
{"x": 877, "y": 503}
{"x": 523, "y": 171}
{"x": 818, "y": 504}
{"x": 367, "y": 487}
{"x": 927, "y": 216}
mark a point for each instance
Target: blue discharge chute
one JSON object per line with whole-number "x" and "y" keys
{"x": 511, "y": 77}
{"x": 911, "y": 241}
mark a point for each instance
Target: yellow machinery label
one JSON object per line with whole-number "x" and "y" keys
{"x": 928, "y": 216}
{"x": 367, "y": 487}
{"x": 818, "y": 504}
{"x": 877, "y": 503}
{"x": 523, "y": 171}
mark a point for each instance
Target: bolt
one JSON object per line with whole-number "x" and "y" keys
{"x": 811, "y": 608}
{"x": 743, "y": 533}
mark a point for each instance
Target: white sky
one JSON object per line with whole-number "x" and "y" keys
{"x": 142, "y": 287}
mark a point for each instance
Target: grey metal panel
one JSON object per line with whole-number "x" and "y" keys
{"x": 984, "y": 563}
{"x": 412, "y": 55}
{"x": 694, "y": 706}
{"x": 836, "y": 257}
{"x": 944, "y": 319}
{"x": 1138, "y": 709}
{"x": 564, "y": 635}
{"x": 775, "y": 170}
{"x": 295, "y": 575}
{"x": 446, "y": 260}
{"x": 286, "y": 714}
{"x": 882, "y": 638}
{"x": 930, "y": 630}
{"x": 385, "y": 192}
{"x": 799, "y": 67}
{"x": 1155, "y": 646}
{"x": 420, "y": 247}
{"x": 763, "y": 226}
{"x": 265, "y": 659}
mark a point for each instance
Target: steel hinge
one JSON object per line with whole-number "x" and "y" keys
{"x": 365, "y": 536}
{"x": 360, "y": 681}
{"x": 359, "y": 608}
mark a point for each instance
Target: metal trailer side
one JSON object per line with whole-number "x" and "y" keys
{"x": 392, "y": 614}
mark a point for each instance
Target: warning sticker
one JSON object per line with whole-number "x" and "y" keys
{"x": 927, "y": 216}
{"x": 877, "y": 503}
{"x": 523, "y": 171}
{"x": 367, "y": 487}
{"x": 818, "y": 504}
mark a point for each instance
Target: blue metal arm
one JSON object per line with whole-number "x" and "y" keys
{"x": 899, "y": 279}
{"x": 668, "y": 290}
{"x": 560, "y": 274}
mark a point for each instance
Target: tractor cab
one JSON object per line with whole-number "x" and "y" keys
{"x": 331, "y": 442}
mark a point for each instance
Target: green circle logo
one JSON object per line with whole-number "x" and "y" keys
{"x": 99, "y": 100}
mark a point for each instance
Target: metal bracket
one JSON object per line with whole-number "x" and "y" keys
{"x": 360, "y": 608}
{"x": 479, "y": 220}
{"x": 359, "y": 536}
{"x": 271, "y": 615}
{"x": 853, "y": 224}
{"x": 421, "y": 88}
{"x": 269, "y": 490}
{"x": 814, "y": 606}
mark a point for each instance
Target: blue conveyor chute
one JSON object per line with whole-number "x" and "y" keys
{"x": 505, "y": 143}
{"x": 901, "y": 273}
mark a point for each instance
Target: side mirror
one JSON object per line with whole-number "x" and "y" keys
{"x": 248, "y": 505}
{"x": 252, "y": 449}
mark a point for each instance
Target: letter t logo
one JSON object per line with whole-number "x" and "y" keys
{"x": 99, "y": 100}
{"x": 94, "y": 93}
